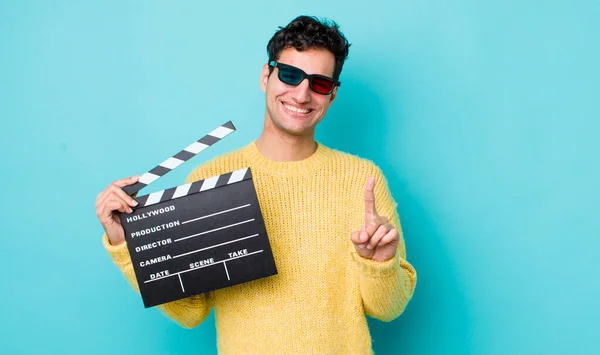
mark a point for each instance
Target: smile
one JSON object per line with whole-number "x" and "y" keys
{"x": 296, "y": 109}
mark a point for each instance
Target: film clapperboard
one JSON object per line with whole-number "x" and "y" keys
{"x": 197, "y": 237}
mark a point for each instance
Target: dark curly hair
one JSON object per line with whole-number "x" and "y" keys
{"x": 306, "y": 32}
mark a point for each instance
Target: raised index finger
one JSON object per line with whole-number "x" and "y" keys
{"x": 370, "y": 198}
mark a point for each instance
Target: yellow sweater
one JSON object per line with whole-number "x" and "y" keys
{"x": 317, "y": 302}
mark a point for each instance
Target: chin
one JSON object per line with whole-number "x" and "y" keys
{"x": 295, "y": 130}
{"x": 292, "y": 126}
{"x": 298, "y": 132}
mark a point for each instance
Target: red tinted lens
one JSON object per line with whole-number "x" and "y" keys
{"x": 321, "y": 85}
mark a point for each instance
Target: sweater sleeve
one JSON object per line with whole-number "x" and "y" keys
{"x": 188, "y": 312}
{"x": 386, "y": 287}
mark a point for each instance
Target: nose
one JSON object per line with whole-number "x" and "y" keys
{"x": 301, "y": 92}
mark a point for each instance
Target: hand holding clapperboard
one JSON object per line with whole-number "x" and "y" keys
{"x": 196, "y": 237}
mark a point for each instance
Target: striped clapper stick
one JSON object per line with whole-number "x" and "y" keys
{"x": 197, "y": 237}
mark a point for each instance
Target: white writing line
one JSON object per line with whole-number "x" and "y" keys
{"x": 181, "y": 282}
{"x": 212, "y": 230}
{"x": 214, "y": 246}
{"x": 226, "y": 271}
{"x": 214, "y": 214}
{"x": 200, "y": 267}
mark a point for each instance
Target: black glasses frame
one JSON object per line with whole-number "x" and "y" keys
{"x": 304, "y": 76}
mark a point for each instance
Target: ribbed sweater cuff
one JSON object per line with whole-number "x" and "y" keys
{"x": 376, "y": 268}
{"x": 118, "y": 253}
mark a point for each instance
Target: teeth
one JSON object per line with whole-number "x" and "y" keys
{"x": 296, "y": 109}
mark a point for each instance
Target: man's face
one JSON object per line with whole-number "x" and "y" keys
{"x": 296, "y": 110}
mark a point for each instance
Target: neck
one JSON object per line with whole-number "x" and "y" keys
{"x": 281, "y": 147}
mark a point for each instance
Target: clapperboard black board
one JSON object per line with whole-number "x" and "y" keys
{"x": 197, "y": 237}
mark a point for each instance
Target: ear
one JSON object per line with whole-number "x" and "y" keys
{"x": 333, "y": 95}
{"x": 264, "y": 77}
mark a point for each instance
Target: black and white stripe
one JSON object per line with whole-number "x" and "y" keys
{"x": 194, "y": 187}
{"x": 187, "y": 153}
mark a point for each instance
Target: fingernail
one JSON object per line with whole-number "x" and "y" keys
{"x": 369, "y": 246}
{"x": 134, "y": 202}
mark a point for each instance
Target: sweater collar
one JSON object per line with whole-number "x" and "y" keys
{"x": 301, "y": 167}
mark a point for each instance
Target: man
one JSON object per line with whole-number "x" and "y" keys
{"x": 332, "y": 223}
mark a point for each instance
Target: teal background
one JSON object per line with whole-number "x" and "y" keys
{"x": 483, "y": 116}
